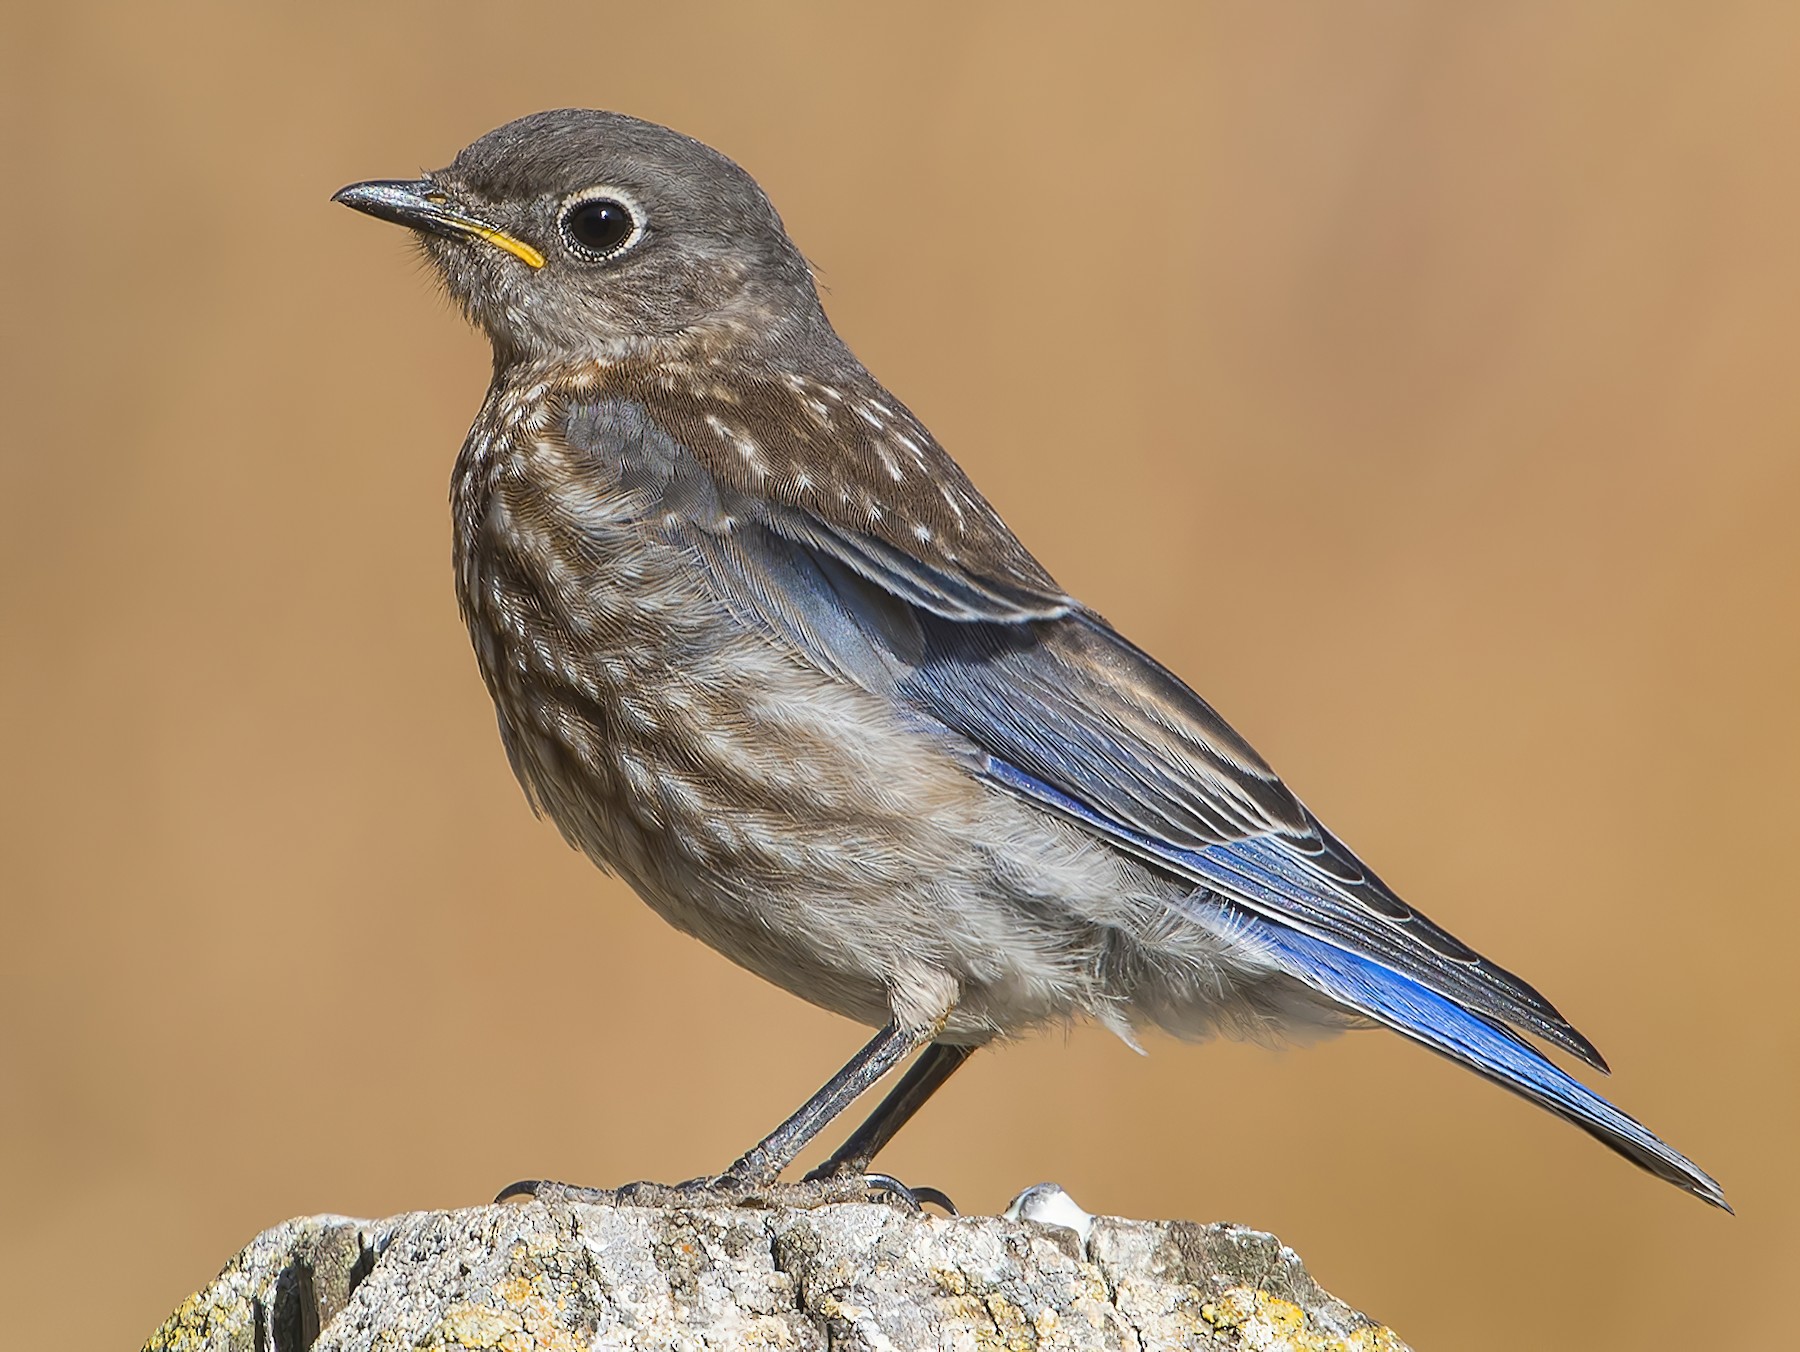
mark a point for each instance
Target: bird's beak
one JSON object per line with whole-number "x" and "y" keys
{"x": 422, "y": 205}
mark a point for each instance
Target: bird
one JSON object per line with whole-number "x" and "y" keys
{"x": 758, "y": 646}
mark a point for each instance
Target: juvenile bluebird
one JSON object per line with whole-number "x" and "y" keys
{"x": 758, "y": 646}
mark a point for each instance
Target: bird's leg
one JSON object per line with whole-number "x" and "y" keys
{"x": 752, "y": 1178}
{"x": 936, "y": 1064}
{"x": 764, "y": 1161}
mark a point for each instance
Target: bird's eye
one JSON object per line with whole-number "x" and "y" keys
{"x": 599, "y": 226}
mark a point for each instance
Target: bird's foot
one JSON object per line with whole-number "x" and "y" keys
{"x": 912, "y": 1197}
{"x": 732, "y": 1190}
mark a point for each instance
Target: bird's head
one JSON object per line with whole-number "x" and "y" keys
{"x": 575, "y": 233}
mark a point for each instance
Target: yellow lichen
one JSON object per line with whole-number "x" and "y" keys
{"x": 465, "y": 1325}
{"x": 951, "y": 1281}
{"x": 1265, "y": 1323}
{"x": 1014, "y": 1331}
{"x": 531, "y": 1327}
{"x": 205, "y": 1319}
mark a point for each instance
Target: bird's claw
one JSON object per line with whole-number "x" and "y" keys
{"x": 915, "y": 1198}
{"x": 723, "y": 1190}
{"x": 727, "y": 1190}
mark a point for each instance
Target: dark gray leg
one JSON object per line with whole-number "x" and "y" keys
{"x": 764, "y": 1162}
{"x": 753, "y": 1176}
{"x": 936, "y": 1064}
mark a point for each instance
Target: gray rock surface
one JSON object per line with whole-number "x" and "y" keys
{"x": 855, "y": 1276}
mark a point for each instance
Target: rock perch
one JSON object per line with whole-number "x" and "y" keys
{"x": 518, "y": 1278}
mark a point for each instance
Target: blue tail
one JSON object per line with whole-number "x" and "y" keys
{"x": 1473, "y": 1041}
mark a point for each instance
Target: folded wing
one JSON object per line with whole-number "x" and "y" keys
{"x": 1060, "y": 707}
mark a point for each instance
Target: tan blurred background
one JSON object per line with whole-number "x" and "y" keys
{"x": 1416, "y": 379}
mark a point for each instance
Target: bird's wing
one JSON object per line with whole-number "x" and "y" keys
{"x": 1059, "y": 707}
{"x": 860, "y": 477}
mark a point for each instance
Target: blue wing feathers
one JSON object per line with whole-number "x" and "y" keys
{"x": 1484, "y": 1047}
{"x": 1402, "y": 1004}
{"x": 1243, "y": 871}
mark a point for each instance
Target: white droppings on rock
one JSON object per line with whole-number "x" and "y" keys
{"x": 1049, "y": 1204}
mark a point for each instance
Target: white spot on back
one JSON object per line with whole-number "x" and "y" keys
{"x": 745, "y": 447}
{"x": 887, "y": 461}
{"x": 954, "y": 502}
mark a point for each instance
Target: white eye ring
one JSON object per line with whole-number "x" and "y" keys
{"x": 600, "y": 223}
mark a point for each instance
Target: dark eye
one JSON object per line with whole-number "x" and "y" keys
{"x": 599, "y": 226}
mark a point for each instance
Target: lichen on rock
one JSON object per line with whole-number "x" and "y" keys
{"x": 549, "y": 1277}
